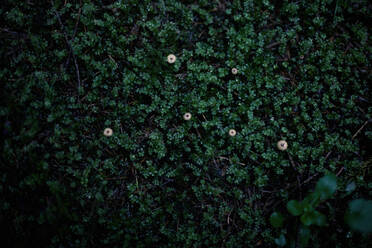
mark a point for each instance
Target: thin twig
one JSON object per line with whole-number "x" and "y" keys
{"x": 77, "y": 22}
{"x": 69, "y": 45}
{"x": 113, "y": 60}
{"x": 329, "y": 153}
{"x": 197, "y": 131}
{"x": 224, "y": 158}
{"x": 73, "y": 35}
{"x": 309, "y": 179}
{"x": 273, "y": 44}
{"x": 114, "y": 178}
{"x": 360, "y": 129}
{"x": 292, "y": 162}
{"x": 339, "y": 172}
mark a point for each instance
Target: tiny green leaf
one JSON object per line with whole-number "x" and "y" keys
{"x": 276, "y": 219}
{"x": 326, "y": 186}
{"x": 350, "y": 187}
{"x": 281, "y": 240}
{"x": 294, "y": 207}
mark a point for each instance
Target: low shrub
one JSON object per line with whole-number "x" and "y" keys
{"x": 71, "y": 69}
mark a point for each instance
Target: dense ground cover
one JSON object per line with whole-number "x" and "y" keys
{"x": 70, "y": 69}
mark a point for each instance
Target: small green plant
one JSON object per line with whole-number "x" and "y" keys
{"x": 306, "y": 210}
{"x": 325, "y": 188}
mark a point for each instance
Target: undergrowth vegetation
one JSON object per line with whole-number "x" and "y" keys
{"x": 97, "y": 150}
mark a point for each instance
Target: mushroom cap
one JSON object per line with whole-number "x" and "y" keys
{"x": 171, "y": 58}
{"x": 232, "y": 132}
{"x": 234, "y": 71}
{"x": 282, "y": 145}
{"x": 107, "y": 132}
{"x": 187, "y": 116}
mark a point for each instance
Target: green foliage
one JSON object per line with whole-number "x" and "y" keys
{"x": 325, "y": 188}
{"x": 276, "y": 219}
{"x": 281, "y": 241}
{"x": 313, "y": 217}
{"x": 304, "y": 236}
{"x": 295, "y": 208}
{"x": 359, "y": 216}
{"x": 70, "y": 69}
{"x": 306, "y": 209}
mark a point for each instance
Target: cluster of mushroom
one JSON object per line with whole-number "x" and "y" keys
{"x": 282, "y": 144}
{"x": 171, "y": 58}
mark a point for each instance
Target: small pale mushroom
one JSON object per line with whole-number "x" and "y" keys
{"x": 232, "y": 132}
{"x": 234, "y": 71}
{"x": 171, "y": 58}
{"x": 187, "y": 116}
{"x": 108, "y": 132}
{"x": 282, "y": 145}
